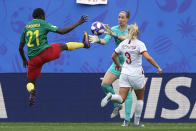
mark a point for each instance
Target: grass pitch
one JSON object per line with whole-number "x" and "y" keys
{"x": 27, "y": 126}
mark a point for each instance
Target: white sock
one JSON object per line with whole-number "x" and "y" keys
{"x": 116, "y": 99}
{"x": 138, "y": 111}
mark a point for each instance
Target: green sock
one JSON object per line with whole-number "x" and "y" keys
{"x": 128, "y": 105}
{"x": 107, "y": 89}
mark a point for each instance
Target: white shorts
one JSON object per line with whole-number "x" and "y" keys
{"x": 135, "y": 82}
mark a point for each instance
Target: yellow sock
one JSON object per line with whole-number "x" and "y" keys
{"x": 74, "y": 45}
{"x": 30, "y": 86}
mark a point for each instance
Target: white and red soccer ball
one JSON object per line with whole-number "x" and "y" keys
{"x": 97, "y": 28}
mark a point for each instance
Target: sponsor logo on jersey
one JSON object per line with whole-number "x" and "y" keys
{"x": 129, "y": 47}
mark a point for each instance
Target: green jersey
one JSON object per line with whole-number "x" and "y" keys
{"x": 116, "y": 30}
{"x": 35, "y": 36}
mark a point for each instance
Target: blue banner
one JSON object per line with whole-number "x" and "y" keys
{"x": 76, "y": 97}
{"x": 167, "y": 27}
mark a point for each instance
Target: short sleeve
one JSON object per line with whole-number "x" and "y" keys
{"x": 22, "y": 38}
{"x": 142, "y": 48}
{"x": 50, "y": 27}
{"x": 118, "y": 50}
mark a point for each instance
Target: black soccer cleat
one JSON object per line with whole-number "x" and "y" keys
{"x": 86, "y": 40}
{"x": 32, "y": 97}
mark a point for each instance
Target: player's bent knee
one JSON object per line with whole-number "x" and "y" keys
{"x": 63, "y": 46}
{"x": 123, "y": 98}
{"x": 105, "y": 83}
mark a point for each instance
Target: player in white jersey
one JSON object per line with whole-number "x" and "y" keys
{"x": 132, "y": 75}
{"x": 119, "y": 33}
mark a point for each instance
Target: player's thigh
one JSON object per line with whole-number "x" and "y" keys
{"x": 113, "y": 70}
{"x": 34, "y": 72}
{"x": 123, "y": 92}
{"x": 137, "y": 82}
{"x": 34, "y": 68}
{"x": 124, "y": 81}
{"x": 140, "y": 93}
{"x": 125, "y": 86}
{"x": 108, "y": 78}
{"x": 51, "y": 53}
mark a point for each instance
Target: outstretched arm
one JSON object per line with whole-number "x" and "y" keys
{"x": 151, "y": 61}
{"x": 95, "y": 39}
{"x": 25, "y": 62}
{"x": 111, "y": 33}
{"x": 65, "y": 30}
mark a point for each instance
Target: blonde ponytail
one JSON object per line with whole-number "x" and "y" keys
{"x": 133, "y": 31}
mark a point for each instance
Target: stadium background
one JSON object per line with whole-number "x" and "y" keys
{"x": 167, "y": 27}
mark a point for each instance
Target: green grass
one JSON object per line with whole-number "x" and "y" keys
{"x": 27, "y": 126}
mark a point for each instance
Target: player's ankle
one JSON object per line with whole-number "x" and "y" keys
{"x": 30, "y": 87}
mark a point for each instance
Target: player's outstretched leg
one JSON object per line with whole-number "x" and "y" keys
{"x": 76, "y": 45}
{"x": 105, "y": 101}
{"x": 107, "y": 89}
{"x": 32, "y": 91}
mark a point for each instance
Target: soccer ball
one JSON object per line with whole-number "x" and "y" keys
{"x": 97, "y": 28}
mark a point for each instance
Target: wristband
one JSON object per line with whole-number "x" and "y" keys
{"x": 99, "y": 41}
{"x": 115, "y": 36}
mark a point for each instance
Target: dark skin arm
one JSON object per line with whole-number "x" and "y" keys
{"x": 25, "y": 62}
{"x": 65, "y": 30}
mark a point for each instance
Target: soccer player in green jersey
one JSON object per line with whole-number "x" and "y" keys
{"x": 39, "y": 52}
{"x": 119, "y": 33}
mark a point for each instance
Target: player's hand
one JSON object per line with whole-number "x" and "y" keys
{"x": 159, "y": 70}
{"x": 25, "y": 63}
{"x": 83, "y": 19}
{"x": 94, "y": 39}
{"x": 118, "y": 68}
{"x": 109, "y": 30}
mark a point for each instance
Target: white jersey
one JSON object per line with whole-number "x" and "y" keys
{"x": 132, "y": 52}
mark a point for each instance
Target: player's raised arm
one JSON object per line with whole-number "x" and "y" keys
{"x": 111, "y": 33}
{"x": 65, "y": 30}
{"x": 152, "y": 61}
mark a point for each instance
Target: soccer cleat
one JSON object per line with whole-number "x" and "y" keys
{"x": 125, "y": 123}
{"x": 86, "y": 40}
{"x": 116, "y": 111}
{"x": 140, "y": 125}
{"x": 32, "y": 97}
{"x": 106, "y": 99}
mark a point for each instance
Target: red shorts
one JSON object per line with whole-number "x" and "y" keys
{"x": 35, "y": 64}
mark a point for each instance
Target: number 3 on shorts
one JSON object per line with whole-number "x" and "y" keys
{"x": 30, "y": 34}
